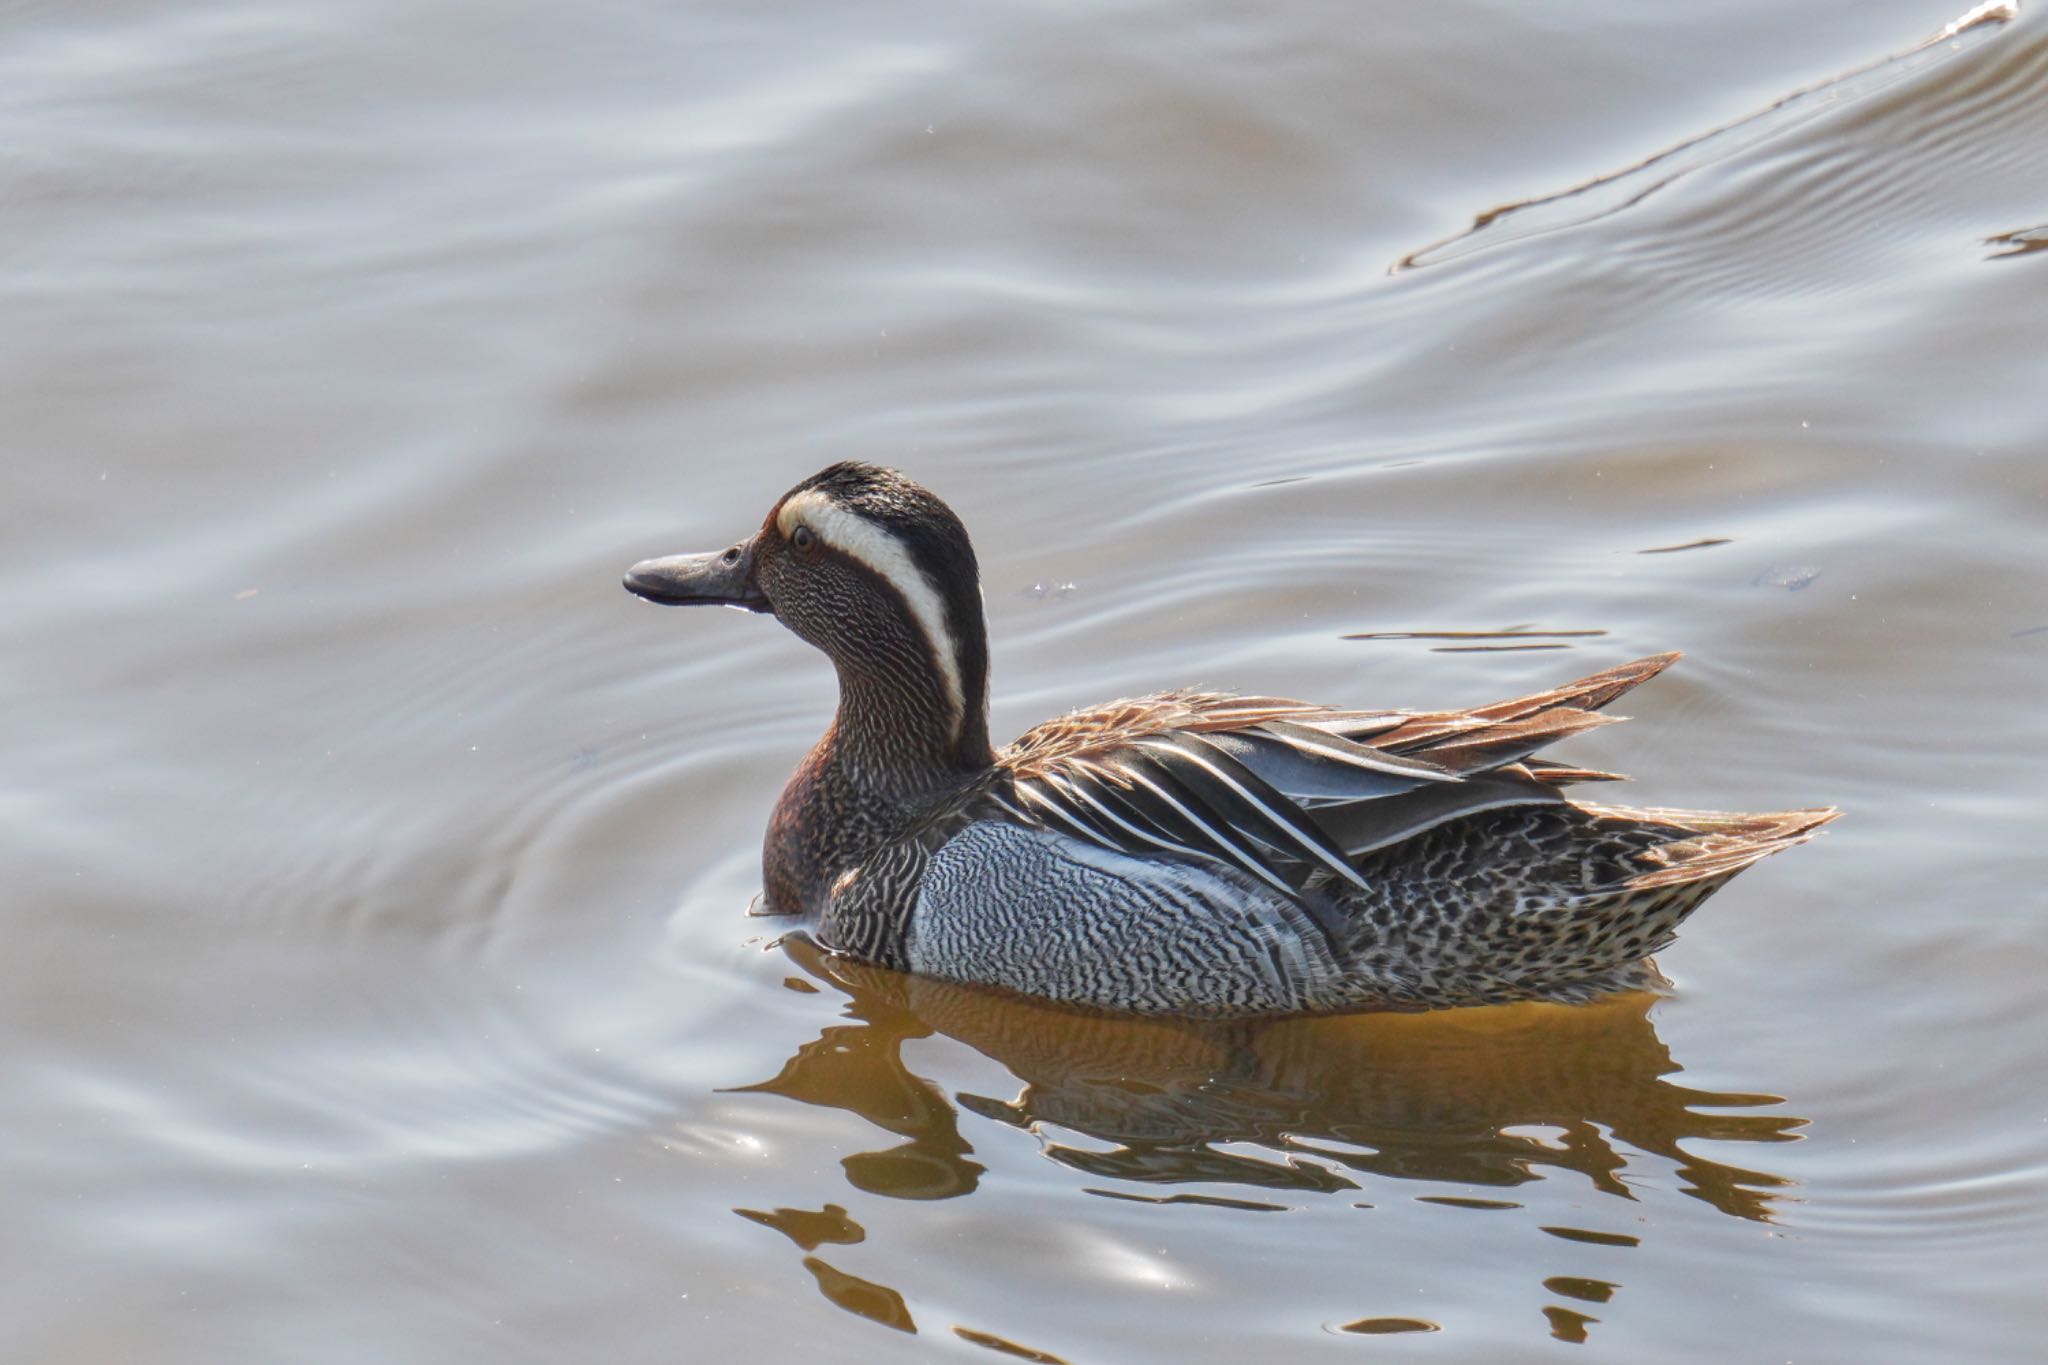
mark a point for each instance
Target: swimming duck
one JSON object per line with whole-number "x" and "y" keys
{"x": 1190, "y": 853}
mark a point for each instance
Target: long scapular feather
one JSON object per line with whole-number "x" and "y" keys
{"x": 1259, "y": 808}
{"x": 1152, "y": 792}
{"x": 1311, "y": 779}
{"x": 1510, "y": 741}
{"x": 1086, "y": 791}
{"x": 1050, "y": 810}
{"x": 1149, "y": 822}
{"x": 1364, "y": 826}
{"x": 1324, "y": 744}
{"x": 1354, "y": 724}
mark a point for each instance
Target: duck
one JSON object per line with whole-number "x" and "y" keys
{"x": 1188, "y": 853}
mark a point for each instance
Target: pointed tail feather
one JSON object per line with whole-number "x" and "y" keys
{"x": 1589, "y": 693}
{"x": 1428, "y": 731}
{"x": 1510, "y": 741}
{"x": 1723, "y": 845}
{"x": 1560, "y": 775}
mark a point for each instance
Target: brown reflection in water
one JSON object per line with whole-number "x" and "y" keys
{"x": 2024, "y": 242}
{"x": 809, "y": 1230}
{"x": 1595, "y": 1239}
{"x": 1490, "y": 1097}
{"x": 864, "y": 1298}
{"x": 859, "y": 1068}
{"x": 1580, "y": 1288}
{"x": 1703, "y": 543}
{"x": 1385, "y": 1327}
{"x": 1004, "y": 1346}
{"x": 1493, "y": 1097}
{"x": 1569, "y": 1324}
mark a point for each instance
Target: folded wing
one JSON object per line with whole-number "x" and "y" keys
{"x": 1290, "y": 793}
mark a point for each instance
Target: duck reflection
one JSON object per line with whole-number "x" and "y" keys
{"x": 1492, "y": 1097}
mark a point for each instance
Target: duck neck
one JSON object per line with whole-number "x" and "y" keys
{"x": 895, "y": 749}
{"x": 897, "y": 736}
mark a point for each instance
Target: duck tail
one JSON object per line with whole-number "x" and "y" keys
{"x": 1557, "y": 902}
{"x": 1721, "y": 844}
{"x": 1678, "y": 859}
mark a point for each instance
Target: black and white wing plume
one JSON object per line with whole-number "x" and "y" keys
{"x": 1290, "y": 793}
{"x": 1288, "y": 804}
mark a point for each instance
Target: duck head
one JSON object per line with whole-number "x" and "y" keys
{"x": 877, "y": 572}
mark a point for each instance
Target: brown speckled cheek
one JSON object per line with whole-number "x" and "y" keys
{"x": 823, "y": 608}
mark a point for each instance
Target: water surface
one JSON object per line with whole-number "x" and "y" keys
{"x": 378, "y": 984}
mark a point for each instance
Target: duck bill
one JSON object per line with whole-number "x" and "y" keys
{"x": 722, "y": 578}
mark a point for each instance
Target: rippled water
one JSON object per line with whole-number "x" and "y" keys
{"x": 377, "y": 982}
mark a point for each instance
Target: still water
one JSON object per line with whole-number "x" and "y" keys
{"x": 378, "y": 984}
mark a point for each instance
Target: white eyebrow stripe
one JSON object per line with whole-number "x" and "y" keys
{"x": 855, "y": 536}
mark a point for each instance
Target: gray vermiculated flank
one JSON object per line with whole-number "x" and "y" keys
{"x": 1050, "y": 915}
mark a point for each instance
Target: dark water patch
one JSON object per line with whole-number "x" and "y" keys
{"x": 1494, "y": 649}
{"x": 1592, "y": 1238}
{"x": 809, "y": 1228}
{"x": 1568, "y": 1324}
{"x": 1384, "y": 1327}
{"x": 1201, "y": 1165}
{"x": 1004, "y": 1346}
{"x": 877, "y": 1303}
{"x": 1580, "y": 1288}
{"x": 1705, "y": 542}
{"x": 1509, "y": 633}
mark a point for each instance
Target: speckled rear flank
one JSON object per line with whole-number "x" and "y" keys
{"x": 1556, "y": 903}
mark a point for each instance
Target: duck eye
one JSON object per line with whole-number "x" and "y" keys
{"x": 731, "y": 556}
{"x": 801, "y": 537}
